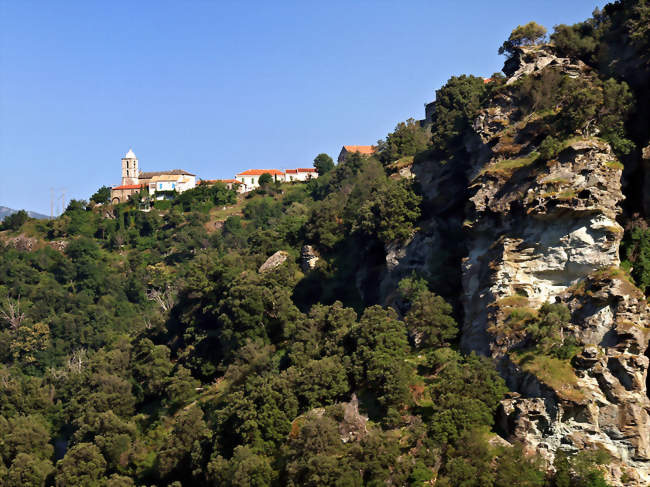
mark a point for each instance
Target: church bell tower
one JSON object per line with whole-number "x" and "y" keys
{"x": 130, "y": 171}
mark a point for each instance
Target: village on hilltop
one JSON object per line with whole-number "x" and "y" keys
{"x": 162, "y": 184}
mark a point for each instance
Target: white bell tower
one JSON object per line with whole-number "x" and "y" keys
{"x": 130, "y": 171}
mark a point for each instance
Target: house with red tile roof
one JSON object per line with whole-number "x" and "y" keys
{"x": 300, "y": 174}
{"x": 250, "y": 178}
{"x": 134, "y": 180}
{"x": 365, "y": 150}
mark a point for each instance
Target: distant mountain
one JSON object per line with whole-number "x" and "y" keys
{"x": 4, "y": 211}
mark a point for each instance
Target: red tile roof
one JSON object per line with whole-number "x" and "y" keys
{"x": 130, "y": 186}
{"x": 173, "y": 172}
{"x": 259, "y": 172}
{"x": 487, "y": 80}
{"x": 291, "y": 171}
{"x": 306, "y": 169}
{"x": 212, "y": 181}
{"x": 362, "y": 149}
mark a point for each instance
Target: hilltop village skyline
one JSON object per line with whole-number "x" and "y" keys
{"x": 163, "y": 184}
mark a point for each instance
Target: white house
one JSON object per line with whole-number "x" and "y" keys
{"x": 250, "y": 179}
{"x": 171, "y": 182}
{"x": 300, "y": 174}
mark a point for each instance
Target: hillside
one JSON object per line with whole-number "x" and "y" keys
{"x": 466, "y": 307}
{"x": 5, "y": 212}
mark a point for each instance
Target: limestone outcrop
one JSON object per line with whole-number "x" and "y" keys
{"x": 308, "y": 258}
{"x": 543, "y": 230}
{"x": 527, "y": 60}
{"x": 274, "y": 261}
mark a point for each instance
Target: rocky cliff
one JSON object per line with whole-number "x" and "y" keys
{"x": 536, "y": 231}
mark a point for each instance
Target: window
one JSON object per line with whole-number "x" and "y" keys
{"x": 173, "y": 185}
{"x": 159, "y": 185}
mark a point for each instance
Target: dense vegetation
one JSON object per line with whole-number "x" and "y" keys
{"x": 146, "y": 347}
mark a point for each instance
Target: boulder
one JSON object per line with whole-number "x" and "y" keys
{"x": 274, "y": 261}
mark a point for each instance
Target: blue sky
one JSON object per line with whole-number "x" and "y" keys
{"x": 216, "y": 87}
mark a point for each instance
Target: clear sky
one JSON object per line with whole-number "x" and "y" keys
{"x": 216, "y": 87}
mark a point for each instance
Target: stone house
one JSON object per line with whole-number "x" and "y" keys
{"x": 366, "y": 150}
{"x": 134, "y": 180}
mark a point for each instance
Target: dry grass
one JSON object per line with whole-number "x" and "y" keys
{"x": 553, "y": 372}
{"x": 401, "y": 163}
{"x": 507, "y": 167}
{"x": 567, "y": 195}
{"x": 513, "y": 301}
{"x": 614, "y": 165}
{"x": 220, "y": 214}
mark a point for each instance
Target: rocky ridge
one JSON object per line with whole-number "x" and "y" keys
{"x": 541, "y": 231}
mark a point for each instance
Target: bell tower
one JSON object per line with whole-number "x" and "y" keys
{"x": 130, "y": 171}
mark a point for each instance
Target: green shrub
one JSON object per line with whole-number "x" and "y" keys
{"x": 15, "y": 220}
{"x": 549, "y": 148}
{"x": 162, "y": 205}
{"x": 523, "y": 35}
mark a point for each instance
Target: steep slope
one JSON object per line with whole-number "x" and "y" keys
{"x": 544, "y": 232}
{"x": 5, "y": 211}
{"x": 543, "y": 229}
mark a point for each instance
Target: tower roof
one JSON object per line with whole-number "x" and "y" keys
{"x": 130, "y": 155}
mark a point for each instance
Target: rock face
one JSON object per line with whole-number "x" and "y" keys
{"x": 274, "y": 261}
{"x": 645, "y": 156}
{"x": 22, "y": 242}
{"x": 541, "y": 231}
{"x": 538, "y": 230}
{"x": 530, "y": 59}
{"x": 436, "y": 249}
{"x": 308, "y": 258}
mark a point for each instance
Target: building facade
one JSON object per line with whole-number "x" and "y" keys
{"x": 300, "y": 174}
{"x": 365, "y": 150}
{"x": 168, "y": 182}
{"x": 250, "y": 179}
{"x": 135, "y": 181}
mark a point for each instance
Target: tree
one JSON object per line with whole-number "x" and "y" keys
{"x": 323, "y": 164}
{"x": 523, "y": 35}
{"x": 454, "y": 411}
{"x": 27, "y": 470}
{"x": 547, "y": 331}
{"x": 430, "y": 320}
{"x": 102, "y": 195}
{"x": 389, "y": 212}
{"x": 15, "y": 220}
{"x": 457, "y": 104}
{"x": 515, "y": 468}
{"x": 28, "y": 341}
{"x": 316, "y": 456}
{"x": 265, "y": 179}
{"x": 408, "y": 139}
{"x": 184, "y": 443}
{"x": 322, "y": 382}
{"x": 378, "y": 360}
{"x": 76, "y": 205}
{"x": 83, "y": 465}
{"x": 246, "y": 468}
{"x": 26, "y": 434}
